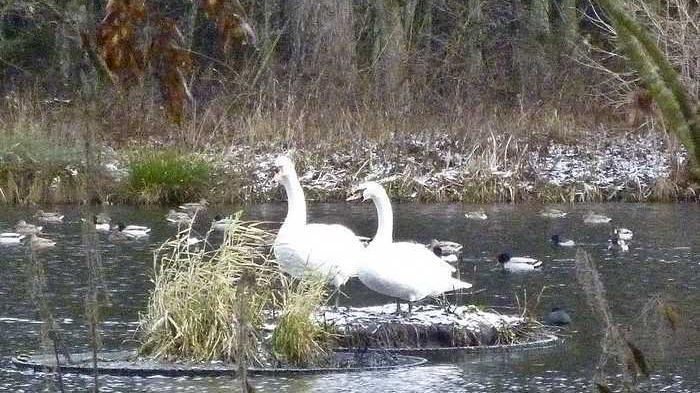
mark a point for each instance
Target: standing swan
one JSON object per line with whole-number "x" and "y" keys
{"x": 328, "y": 249}
{"x": 403, "y": 270}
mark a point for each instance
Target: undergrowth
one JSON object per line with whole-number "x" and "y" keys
{"x": 36, "y": 168}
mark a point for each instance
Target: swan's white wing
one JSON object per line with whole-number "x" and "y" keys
{"x": 407, "y": 271}
{"x": 331, "y": 250}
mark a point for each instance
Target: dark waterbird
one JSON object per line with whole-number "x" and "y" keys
{"x": 557, "y": 317}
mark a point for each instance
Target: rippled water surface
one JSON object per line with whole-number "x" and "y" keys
{"x": 663, "y": 257}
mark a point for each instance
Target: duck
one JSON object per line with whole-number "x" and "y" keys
{"x": 446, "y": 250}
{"x": 101, "y": 222}
{"x": 330, "y": 250}
{"x": 221, "y": 223}
{"x": 117, "y": 235}
{"x": 553, "y": 213}
{"x": 623, "y": 233}
{"x": 561, "y": 242}
{"x": 403, "y": 270}
{"x": 193, "y": 207}
{"x": 180, "y": 218}
{"x": 518, "y": 264}
{"x": 38, "y": 243}
{"x": 616, "y": 243}
{"x": 594, "y": 218}
{"x": 25, "y": 228}
{"x": 11, "y": 238}
{"x": 133, "y": 231}
{"x": 476, "y": 215}
{"x": 49, "y": 217}
{"x": 557, "y": 317}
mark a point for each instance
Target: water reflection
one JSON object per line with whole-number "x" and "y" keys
{"x": 663, "y": 258}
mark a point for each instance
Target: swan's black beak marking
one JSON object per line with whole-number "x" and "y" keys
{"x": 355, "y": 195}
{"x": 276, "y": 173}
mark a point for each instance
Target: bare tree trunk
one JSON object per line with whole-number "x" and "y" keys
{"x": 569, "y": 22}
{"x": 389, "y": 35}
{"x": 321, "y": 39}
{"x": 473, "y": 39}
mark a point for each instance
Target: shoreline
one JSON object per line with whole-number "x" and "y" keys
{"x": 428, "y": 168}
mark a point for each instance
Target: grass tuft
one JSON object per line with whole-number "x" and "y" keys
{"x": 194, "y": 309}
{"x": 168, "y": 177}
{"x": 298, "y": 338}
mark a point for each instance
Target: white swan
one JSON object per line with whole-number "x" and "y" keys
{"x": 403, "y": 270}
{"x": 300, "y": 248}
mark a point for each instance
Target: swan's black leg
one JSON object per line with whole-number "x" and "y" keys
{"x": 410, "y": 307}
{"x": 398, "y": 306}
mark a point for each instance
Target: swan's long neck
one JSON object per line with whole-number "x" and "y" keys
{"x": 296, "y": 205}
{"x": 385, "y": 220}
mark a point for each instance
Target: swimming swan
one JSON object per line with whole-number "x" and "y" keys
{"x": 403, "y": 270}
{"x": 328, "y": 249}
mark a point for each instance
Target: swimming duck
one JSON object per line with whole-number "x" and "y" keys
{"x": 180, "y": 218}
{"x": 623, "y": 233}
{"x": 593, "y": 218}
{"x": 476, "y": 215}
{"x": 101, "y": 223}
{"x": 447, "y": 251}
{"x": 518, "y": 264}
{"x": 557, "y": 317}
{"x": 49, "y": 217}
{"x": 133, "y": 231}
{"x": 194, "y": 207}
{"x": 11, "y": 238}
{"x": 562, "y": 242}
{"x": 38, "y": 243}
{"x": 221, "y": 223}
{"x": 25, "y": 228}
{"x": 553, "y": 213}
{"x": 616, "y": 243}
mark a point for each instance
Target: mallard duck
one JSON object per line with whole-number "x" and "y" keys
{"x": 476, "y": 215}
{"x": 132, "y": 231}
{"x": 562, "y": 242}
{"x": 447, "y": 251}
{"x": 180, "y": 218}
{"x": 118, "y": 235}
{"x": 553, "y": 213}
{"x": 623, "y": 233}
{"x": 25, "y": 228}
{"x": 194, "y": 207}
{"x": 593, "y": 218}
{"x": 518, "y": 264}
{"x": 557, "y": 317}
{"x": 49, "y": 217}
{"x": 11, "y": 238}
{"x": 221, "y": 223}
{"x": 38, "y": 243}
{"x": 101, "y": 222}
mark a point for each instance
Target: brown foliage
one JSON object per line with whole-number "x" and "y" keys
{"x": 170, "y": 62}
{"x": 230, "y": 21}
{"x": 117, "y": 40}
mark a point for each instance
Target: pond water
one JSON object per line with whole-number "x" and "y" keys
{"x": 663, "y": 258}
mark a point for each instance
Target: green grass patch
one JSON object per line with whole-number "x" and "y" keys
{"x": 168, "y": 177}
